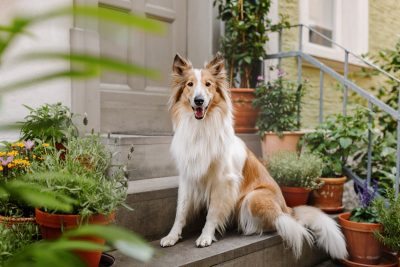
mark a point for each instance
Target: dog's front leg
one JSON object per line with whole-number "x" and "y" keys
{"x": 222, "y": 203}
{"x": 180, "y": 218}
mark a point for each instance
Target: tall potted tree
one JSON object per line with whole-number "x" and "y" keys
{"x": 279, "y": 103}
{"x": 243, "y": 45}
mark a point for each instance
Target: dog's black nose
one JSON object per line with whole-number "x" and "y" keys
{"x": 198, "y": 101}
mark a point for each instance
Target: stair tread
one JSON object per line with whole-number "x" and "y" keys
{"x": 152, "y": 184}
{"x": 185, "y": 252}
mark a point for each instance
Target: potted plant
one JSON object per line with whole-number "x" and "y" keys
{"x": 243, "y": 45}
{"x": 388, "y": 211}
{"x": 84, "y": 176}
{"x": 49, "y": 123}
{"x": 359, "y": 227}
{"x": 334, "y": 141}
{"x": 296, "y": 174}
{"x": 279, "y": 103}
{"x": 16, "y": 159}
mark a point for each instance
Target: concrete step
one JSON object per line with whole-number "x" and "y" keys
{"x": 232, "y": 250}
{"x": 151, "y": 158}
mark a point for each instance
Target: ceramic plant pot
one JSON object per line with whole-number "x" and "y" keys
{"x": 362, "y": 245}
{"x": 52, "y": 226}
{"x": 273, "y": 143}
{"x": 295, "y": 196}
{"x": 245, "y": 115}
{"x": 329, "y": 197}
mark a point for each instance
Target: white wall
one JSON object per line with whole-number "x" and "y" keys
{"x": 50, "y": 35}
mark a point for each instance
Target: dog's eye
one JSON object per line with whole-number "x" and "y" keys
{"x": 208, "y": 84}
{"x": 190, "y": 84}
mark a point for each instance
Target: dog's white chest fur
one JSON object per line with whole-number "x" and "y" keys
{"x": 198, "y": 144}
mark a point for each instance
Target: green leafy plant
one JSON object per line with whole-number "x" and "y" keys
{"x": 246, "y": 27}
{"x": 279, "y": 103}
{"x": 366, "y": 212}
{"x": 49, "y": 123}
{"x": 338, "y": 138}
{"x": 86, "y": 175}
{"x": 292, "y": 170}
{"x": 15, "y": 238}
{"x": 389, "y": 216}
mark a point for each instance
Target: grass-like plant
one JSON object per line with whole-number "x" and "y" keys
{"x": 389, "y": 216}
{"x": 15, "y": 238}
{"x": 279, "y": 103}
{"x": 293, "y": 170}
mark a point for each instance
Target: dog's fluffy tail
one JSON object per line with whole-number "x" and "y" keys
{"x": 292, "y": 233}
{"x": 326, "y": 231}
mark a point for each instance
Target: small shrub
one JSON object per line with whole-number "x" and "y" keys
{"x": 289, "y": 169}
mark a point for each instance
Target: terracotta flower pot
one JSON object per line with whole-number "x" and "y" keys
{"x": 272, "y": 143}
{"x": 295, "y": 196}
{"x": 9, "y": 221}
{"x": 329, "y": 197}
{"x": 245, "y": 115}
{"x": 52, "y": 226}
{"x": 362, "y": 245}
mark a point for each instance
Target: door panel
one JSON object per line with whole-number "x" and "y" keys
{"x": 137, "y": 105}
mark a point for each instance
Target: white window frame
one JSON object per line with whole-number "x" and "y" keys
{"x": 335, "y": 53}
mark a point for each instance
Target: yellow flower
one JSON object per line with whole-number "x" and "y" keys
{"x": 45, "y": 145}
{"x": 19, "y": 144}
{"x": 1, "y": 168}
{"x": 2, "y": 154}
{"x": 10, "y": 165}
{"x": 12, "y": 153}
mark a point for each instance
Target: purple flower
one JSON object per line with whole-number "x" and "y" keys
{"x": 365, "y": 195}
{"x": 5, "y": 162}
{"x": 281, "y": 73}
{"x": 29, "y": 144}
{"x": 260, "y": 78}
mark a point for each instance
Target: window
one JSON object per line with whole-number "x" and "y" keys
{"x": 344, "y": 22}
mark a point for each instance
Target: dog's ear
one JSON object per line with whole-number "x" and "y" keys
{"x": 216, "y": 65}
{"x": 180, "y": 65}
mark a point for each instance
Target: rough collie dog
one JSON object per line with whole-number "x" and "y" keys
{"x": 217, "y": 171}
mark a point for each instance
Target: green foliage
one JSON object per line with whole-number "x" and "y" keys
{"x": 279, "y": 103}
{"x": 389, "y": 216}
{"x": 58, "y": 252}
{"x": 15, "y": 238}
{"x": 289, "y": 169}
{"x": 48, "y": 123}
{"x": 85, "y": 175}
{"x": 365, "y": 215}
{"x": 337, "y": 139}
{"x": 246, "y": 27}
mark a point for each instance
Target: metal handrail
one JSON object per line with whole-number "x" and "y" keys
{"x": 372, "y": 100}
{"x": 348, "y": 51}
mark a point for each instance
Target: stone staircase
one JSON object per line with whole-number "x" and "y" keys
{"x": 152, "y": 193}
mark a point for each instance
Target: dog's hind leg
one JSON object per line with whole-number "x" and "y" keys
{"x": 184, "y": 202}
{"x": 261, "y": 212}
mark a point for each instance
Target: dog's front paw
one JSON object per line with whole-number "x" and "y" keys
{"x": 169, "y": 240}
{"x": 205, "y": 240}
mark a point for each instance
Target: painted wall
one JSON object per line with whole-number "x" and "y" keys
{"x": 51, "y": 35}
{"x": 384, "y": 31}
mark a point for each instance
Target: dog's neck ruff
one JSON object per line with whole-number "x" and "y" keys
{"x": 198, "y": 143}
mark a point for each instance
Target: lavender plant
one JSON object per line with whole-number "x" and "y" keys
{"x": 367, "y": 213}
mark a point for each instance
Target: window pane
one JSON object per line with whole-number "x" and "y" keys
{"x": 321, "y": 17}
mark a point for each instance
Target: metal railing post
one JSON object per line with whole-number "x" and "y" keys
{"x": 396, "y": 184}
{"x": 346, "y": 70}
{"x": 279, "y": 47}
{"x": 299, "y": 59}
{"x": 369, "y": 163}
{"x": 321, "y": 96}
